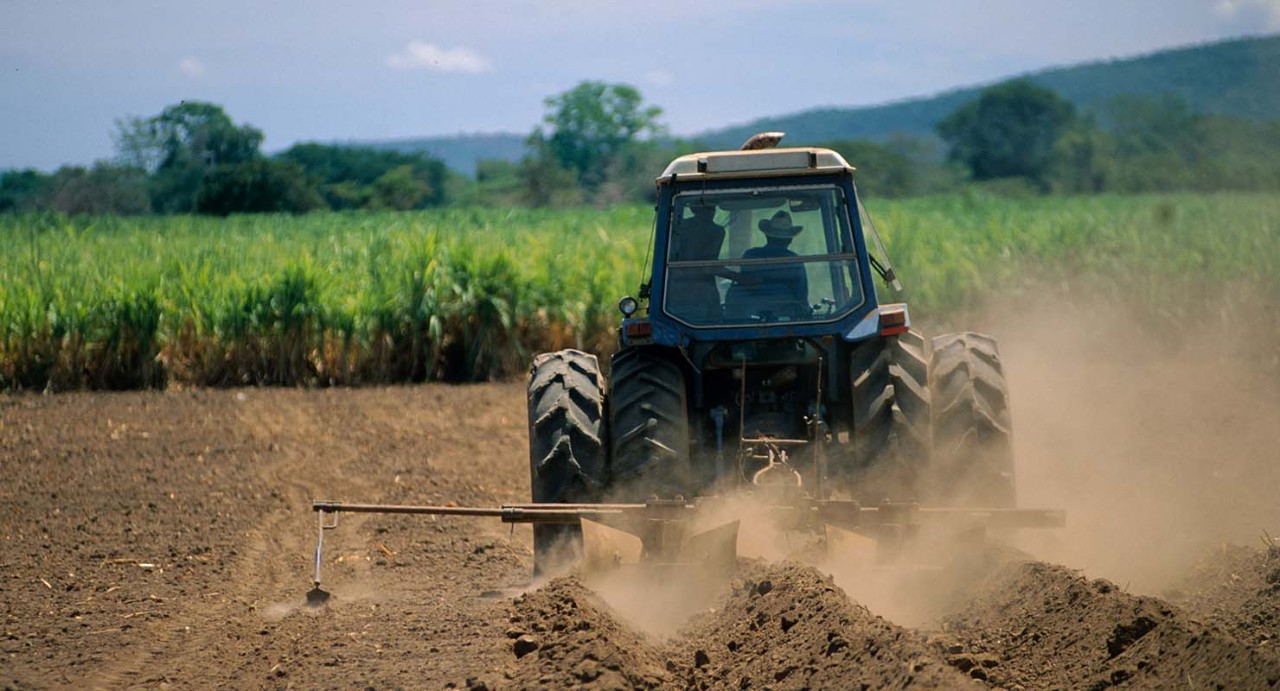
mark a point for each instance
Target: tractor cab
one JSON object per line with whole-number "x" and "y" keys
{"x": 755, "y": 244}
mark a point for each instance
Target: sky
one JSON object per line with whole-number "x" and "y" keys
{"x": 337, "y": 70}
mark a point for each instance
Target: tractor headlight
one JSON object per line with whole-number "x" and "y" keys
{"x": 628, "y": 306}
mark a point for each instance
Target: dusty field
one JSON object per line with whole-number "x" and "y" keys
{"x": 164, "y": 540}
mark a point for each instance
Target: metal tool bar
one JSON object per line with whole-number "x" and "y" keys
{"x": 849, "y": 514}
{"x": 776, "y": 442}
{"x": 1000, "y": 518}
{"x": 497, "y": 511}
{"x": 661, "y": 528}
{"x": 510, "y": 513}
{"x": 836, "y": 511}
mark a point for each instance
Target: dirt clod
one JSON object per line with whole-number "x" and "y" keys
{"x": 524, "y": 645}
{"x": 1125, "y": 635}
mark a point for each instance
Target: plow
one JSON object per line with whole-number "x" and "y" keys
{"x": 757, "y": 360}
{"x": 663, "y": 535}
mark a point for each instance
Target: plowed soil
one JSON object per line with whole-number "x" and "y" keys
{"x": 164, "y": 540}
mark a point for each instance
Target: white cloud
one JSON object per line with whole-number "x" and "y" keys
{"x": 191, "y": 67}
{"x": 659, "y": 78}
{"x": 426, "y": 56}
{"x": 1268, "y": 9}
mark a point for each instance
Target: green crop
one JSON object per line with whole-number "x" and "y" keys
{"x": 468, "y": 294}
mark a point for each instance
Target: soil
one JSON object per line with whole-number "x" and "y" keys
{"x": 1045, "y": 626}
{"x": 164, "y": 540}
{"x": 1238, "y": 589}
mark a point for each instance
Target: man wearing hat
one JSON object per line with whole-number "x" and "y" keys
{"x": 779, "y": 290}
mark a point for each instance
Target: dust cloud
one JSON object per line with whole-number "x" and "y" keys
{"x": 926, "y": 581}
{"x": 1157, "y": 448}
{"x": 346, "y": 593}
{"x": 660, "y": 599}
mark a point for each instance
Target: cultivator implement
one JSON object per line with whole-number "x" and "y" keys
{"x": 663, "y": 534}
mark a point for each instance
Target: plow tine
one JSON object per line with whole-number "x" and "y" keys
{"x": 717, "y": 548}
{"x": 605, "y": 548}
{"x": 846, "y": 546}
{"x": 317, "y": 596}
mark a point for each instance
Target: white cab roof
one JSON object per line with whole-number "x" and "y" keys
{"x": 713, "y": 165}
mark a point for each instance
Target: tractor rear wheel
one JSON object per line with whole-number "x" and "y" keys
{"x": 972, "y": 433}
{"x": 891, "y": 417}
{"x": 649, "y": 425}
{"x": 566, "y": 456}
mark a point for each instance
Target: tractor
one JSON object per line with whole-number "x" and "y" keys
{"x": 758, "y": 353}
{"x": 757, "y": 360}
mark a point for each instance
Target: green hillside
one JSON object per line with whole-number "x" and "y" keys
{"x": 1239, "y": 77}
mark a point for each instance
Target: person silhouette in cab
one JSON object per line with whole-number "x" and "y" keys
{"x": 775, "y": 290}
{"x": 694, "y": 294}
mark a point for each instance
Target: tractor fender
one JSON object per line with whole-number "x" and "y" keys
{"x": 873, "y": 324}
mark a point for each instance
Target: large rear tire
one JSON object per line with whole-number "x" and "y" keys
{"x": 972, "y": 431}
{"x": 566, "y": 454}
{"x": 891, "y": 429}
{"x": 649, "y": 424}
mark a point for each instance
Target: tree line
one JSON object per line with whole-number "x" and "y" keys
{"x": 601, "y": 144}
{"x": 193, "y": 158}
{"x": 1022, "y": 133}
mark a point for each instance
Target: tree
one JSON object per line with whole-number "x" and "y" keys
{"x": 1245, "y": 154}
{"x": 257, "y": 186}
{"x": 1083, "y": 159}
{"x": 1010, "y": 131}
{"x": 547, "y": 183}
{"x": 103, "y": 189}
{"x": 398, "y": 190}
{"x": 180, "y": 146}
{"x": 352, "y": 176}
{"x": 22, "y": 190}
{"x": 498, "y": 183}
{"x": 588, "y": 127}
{"x": 883, "y": 170}
{"x": 1159, "y": 143}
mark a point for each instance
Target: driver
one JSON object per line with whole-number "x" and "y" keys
{"x": 782, "y": 290}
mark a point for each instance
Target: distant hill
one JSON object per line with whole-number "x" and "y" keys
{"x": 460, "y": 152}
{"x": 1239, "y": 77}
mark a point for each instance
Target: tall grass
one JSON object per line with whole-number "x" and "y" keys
{"x": 1182, "y": 262}
{"x": 324, "y": 299}
{"x": 468, "y": 294}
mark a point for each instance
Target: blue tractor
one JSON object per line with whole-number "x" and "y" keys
{"x": 758, "y": 353}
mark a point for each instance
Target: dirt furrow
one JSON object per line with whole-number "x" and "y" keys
{"x": 1044, "y": 626}
{"x": 1238, "y": 589}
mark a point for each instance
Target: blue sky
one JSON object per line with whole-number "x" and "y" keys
{"x": 340, "y": 70}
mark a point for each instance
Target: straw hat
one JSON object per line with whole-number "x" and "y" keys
{"x": 780, "y": 226}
